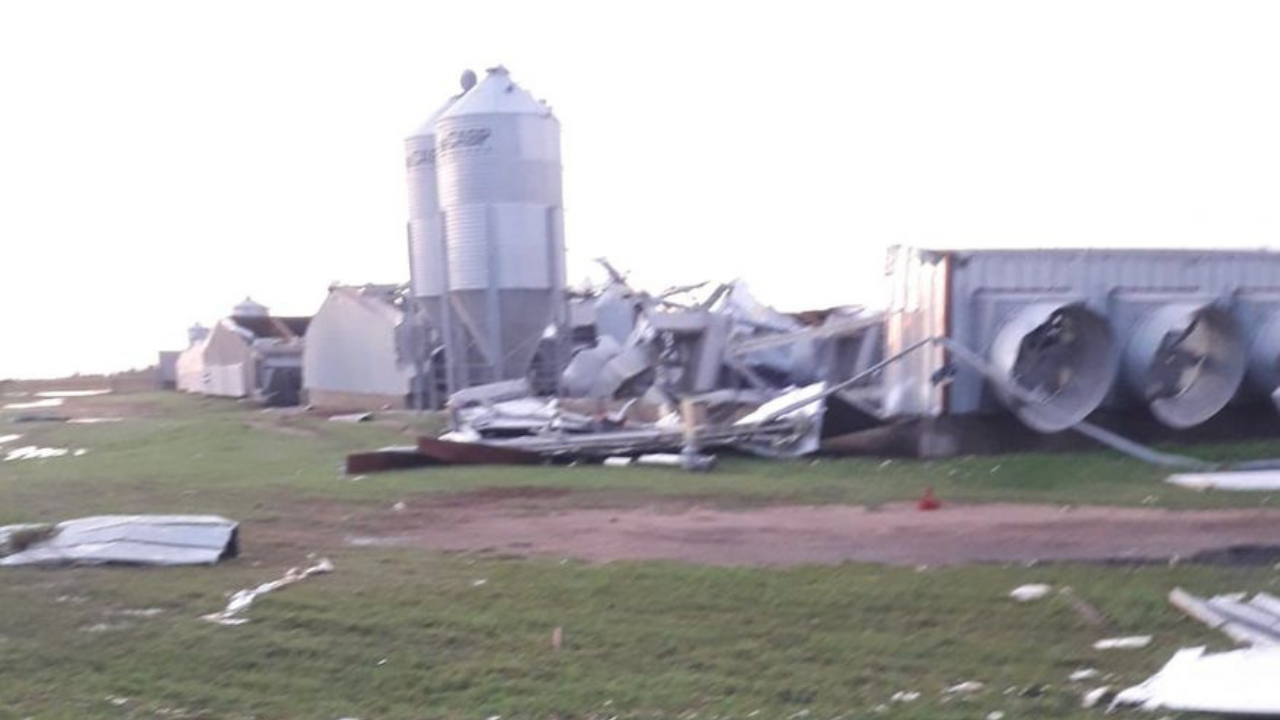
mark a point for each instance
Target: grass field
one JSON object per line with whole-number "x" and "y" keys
{"x": 398, "y": 633}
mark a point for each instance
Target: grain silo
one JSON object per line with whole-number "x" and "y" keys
{"x": 425, "y": 229}
{"x": 499, "y": 175}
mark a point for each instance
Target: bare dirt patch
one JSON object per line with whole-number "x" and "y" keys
{"x": 792, "y": 535}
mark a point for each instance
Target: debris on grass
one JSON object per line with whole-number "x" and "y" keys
{"x": 968, "y": 687}
{"x": 1027, "y": 593}
{"x": 140, "y": 612}
{"x": 352, "y": 417}
{"x": 34, "y": 404}
{"x": 1133, "y": 642}
{"x": 1096, "y": 696}
{"x": 34, "y": 452}
{"x": 905, "y": 696}
{"x": 688, "y": 461}
{"x": 557, "y": 638}
{"x": 94, "y": 420}
{"x": 241, "y": 600}
{"x": 1236, "y": 682}
{"x": 1239, "y": 481}
{"x": 123, "y": 540}
{"x": 1083, "y": 674}
{"x": 9, "y": 438}
{"x": 1256, "y": 622}
{"x": 73, "y": 393}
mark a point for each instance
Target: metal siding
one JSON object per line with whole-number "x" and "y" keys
{"x": 917, "y": 312}
{"x": 426, "y": 241}
{"x": 520, "y": 237}
{"x": 467, "y": 243}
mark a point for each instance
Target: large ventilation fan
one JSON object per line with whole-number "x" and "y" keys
{"x": 1264, "y": 355}
{"x": 1186, "y": 361}
{"x": 1063, "y": 355}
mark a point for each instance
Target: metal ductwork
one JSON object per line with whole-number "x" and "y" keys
{"x": 1061, "y": 353}
{"x": 1186, "y": 360}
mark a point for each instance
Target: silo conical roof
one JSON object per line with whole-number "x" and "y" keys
{"x": 496, "y": 94}
{"x": 249, "y": 308}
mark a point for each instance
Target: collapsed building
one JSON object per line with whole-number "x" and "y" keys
{"x": 982, "y": 350}
{"x": 250, "y": 354}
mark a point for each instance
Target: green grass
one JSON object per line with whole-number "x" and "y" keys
{"x": 641, "y": 640}
{"x": 187, "y": 454}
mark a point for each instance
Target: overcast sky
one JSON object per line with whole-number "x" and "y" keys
{"x": 160, "y": 161}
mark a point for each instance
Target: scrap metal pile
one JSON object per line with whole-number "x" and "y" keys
{"x": 655, "y": 374}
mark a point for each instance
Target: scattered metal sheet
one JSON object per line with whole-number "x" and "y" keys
{"x": 1240, "y": 682}
{"x": 34, "y": 404}
{"x": 1255, "y": 622}
{"x": 352, "y": 417}
{"x": 1028, "y": 593}
{"x": 35, "y": 452}
{"x": 243, "y": 599}
{"x": 687, "y": 461}
{"x": 125, "y": 540}
{"x": 1132, "y": 642}
{"x": 1255, "y": 480}
{"x": 73, "y": 393}
{"x": 403, "y": 457}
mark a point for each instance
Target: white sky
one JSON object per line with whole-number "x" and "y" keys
{"x": 159, "y": 161}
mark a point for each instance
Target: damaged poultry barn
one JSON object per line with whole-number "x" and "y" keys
{"x": 977, "y": 351}
{"x": 669, "y": 380}
{"x": 974, "y": 351}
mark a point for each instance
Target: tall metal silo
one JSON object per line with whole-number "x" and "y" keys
{"x": 499, "y": 175}
{"x": 426, "y": 233}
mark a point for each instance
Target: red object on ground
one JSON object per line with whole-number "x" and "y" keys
{"x": 928, "y": 501}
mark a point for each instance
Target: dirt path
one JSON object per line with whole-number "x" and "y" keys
{"x": 794, "y": 535}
